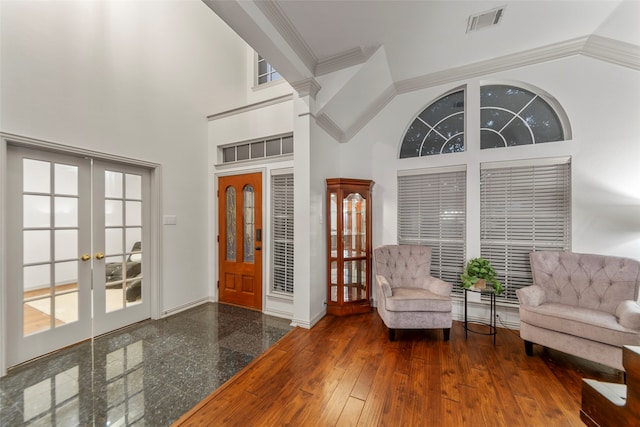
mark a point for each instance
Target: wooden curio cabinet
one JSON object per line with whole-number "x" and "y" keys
{"x": 349, "y": 245}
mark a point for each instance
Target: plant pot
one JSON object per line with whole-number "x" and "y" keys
{"x": 480, "y": 284}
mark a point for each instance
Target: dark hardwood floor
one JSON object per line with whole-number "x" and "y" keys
{"x": 345, "y": 372}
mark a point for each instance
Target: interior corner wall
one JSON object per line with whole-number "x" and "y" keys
{"x": 131, "y": 79}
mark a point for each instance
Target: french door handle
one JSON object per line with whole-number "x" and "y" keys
{"x": 85, "y": 257}
{"x": 99, "y": 255}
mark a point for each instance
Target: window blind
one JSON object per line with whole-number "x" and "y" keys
{"x": 432, "y": 212}
{"x": 523, "y": 209}
{"x": 282, "y": 233}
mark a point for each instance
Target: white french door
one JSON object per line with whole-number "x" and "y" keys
{"x": 77, "y": 260}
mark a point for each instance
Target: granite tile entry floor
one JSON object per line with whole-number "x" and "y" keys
{"x": 147, "y": 374}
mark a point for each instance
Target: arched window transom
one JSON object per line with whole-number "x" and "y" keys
{"x": 438, "y": 129}
{"x": 511, "y": 116}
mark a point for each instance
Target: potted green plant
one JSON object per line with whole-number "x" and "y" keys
{"x": 479, "y": 272}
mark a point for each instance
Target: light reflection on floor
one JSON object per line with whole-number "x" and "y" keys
{"x": 148, "y": 374}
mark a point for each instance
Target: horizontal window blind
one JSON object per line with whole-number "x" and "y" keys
{"x": 432, "y": 212}
{"x": 523, "y": 209}
{"x": 282, "y": 233}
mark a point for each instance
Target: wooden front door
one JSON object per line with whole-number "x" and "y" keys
{"x": 240, "y": 240}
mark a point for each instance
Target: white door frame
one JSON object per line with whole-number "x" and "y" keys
{"x": 155, "y": 226}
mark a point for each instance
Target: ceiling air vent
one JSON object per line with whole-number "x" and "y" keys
{"x": 485, "y": 19}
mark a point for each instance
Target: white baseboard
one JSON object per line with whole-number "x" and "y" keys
{"x": 186, "y": 306}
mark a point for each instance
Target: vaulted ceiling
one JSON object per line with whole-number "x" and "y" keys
{"x": 388, "y": 47}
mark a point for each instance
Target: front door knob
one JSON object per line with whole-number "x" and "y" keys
{"x": 99, "y": 255}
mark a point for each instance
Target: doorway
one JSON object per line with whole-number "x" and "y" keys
{"x": 240, "y": 240}
{"x": 77, "y": 257}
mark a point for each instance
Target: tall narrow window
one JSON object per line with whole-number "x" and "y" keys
{"x": 432, "y": 212}
{"x": 230, "y": 194}
{"x": 282, "y": 232}
{"x": 523, "y": 209}
{"x": 249, "y": 222}
{"x": 266, "y": 72}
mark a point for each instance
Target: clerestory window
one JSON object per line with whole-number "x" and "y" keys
{"x": 438, "y": 129}
{"x": 512, "y": 115}
{"x": 266, "y": 72}
{"x": 509, "y": 116}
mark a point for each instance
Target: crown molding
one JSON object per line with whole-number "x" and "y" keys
{"x": 613, "y": 51}
{"x": 507, "y": 62}
{"x": 602, "y": 48}
{"x": 330, "y": 127}
{"x": 342, "y": 60}
{"x": 307, "y": 87}
{"x": 274, "y": 14}
{"x": 250, "y": 107}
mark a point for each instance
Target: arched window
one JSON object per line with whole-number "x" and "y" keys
{"x": 511, "y": 116}
{"x": 438, "y": 129}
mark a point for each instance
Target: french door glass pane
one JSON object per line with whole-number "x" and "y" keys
{"x": 66, "y": 212}
{"x": 65, "y": 307}
{"x": 36, "y": 176}
{"x": 66, "y": 179}
{"x": 113, "y": 241}
{"x": 133, "y": 213}
{"x": 133, "y": 235}
{"x": 66, "y": 244}
{"x": 67, "y": 273}
{"x": 113, "y": 213}
{"x": 36, "y": 211}
{"x": 36, "y": 277}
{"x": 37, "y": 246}
{"x": 113, "y": 184}
{"x": 133, "y": 187}
{"x": 37, "y": 319}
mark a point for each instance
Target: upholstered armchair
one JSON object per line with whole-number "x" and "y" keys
{"x": 408, "y": 297}
{"x": 582, "y": 304}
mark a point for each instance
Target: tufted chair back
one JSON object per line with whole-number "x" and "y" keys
{"x": 404, "y": 266}
{"x": 598, "y": 282}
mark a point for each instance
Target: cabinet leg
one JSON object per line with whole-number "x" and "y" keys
{"x": 392, "y": 334}
{"x": 446, "y": 332}
{"x": 528, "y": 348}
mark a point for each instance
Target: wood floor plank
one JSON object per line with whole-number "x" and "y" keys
{"x": 341, "y": 396}
{"x": 345, "y": 371}
{"x": 351, "y": 413}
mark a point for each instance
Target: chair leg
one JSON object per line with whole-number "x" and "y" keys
{"x": 392, "y": 334}
{"x": 447, "y": 333}
{"x": 528, "y": 348}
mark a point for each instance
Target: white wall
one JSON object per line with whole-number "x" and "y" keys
{"x": 133, "y": 79}
{"x": 602, "y": 104}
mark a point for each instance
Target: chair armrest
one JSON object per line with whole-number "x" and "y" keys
{"x": 628, "y": 314}
{"x": 384, "y": 285}
{"x": 531, "y": 295}
{"x": 437, "y": 286}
